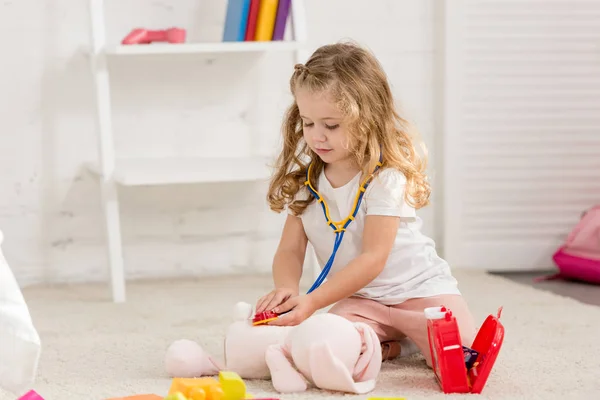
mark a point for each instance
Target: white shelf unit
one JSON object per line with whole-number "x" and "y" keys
{"x": 164, "y": 171}
{"x": 114, "y": 171}
{"x": 194, "y": 48}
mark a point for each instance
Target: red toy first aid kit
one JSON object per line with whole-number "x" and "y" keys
{"x": 460, "y": 369}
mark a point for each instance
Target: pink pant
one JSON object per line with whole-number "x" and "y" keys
{"x": 393, "y": 323}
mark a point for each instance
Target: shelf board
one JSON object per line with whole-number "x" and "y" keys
{"x": 195, "y": 48}
{"x": 164, "y": 171}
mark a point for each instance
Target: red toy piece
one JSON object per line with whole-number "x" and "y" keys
{"x": 264, "y": 317}
{"x": 447, "y": 354}
{"x": 146, "y": 36}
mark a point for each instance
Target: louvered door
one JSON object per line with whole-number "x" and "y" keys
{"x": 522, "y": 128}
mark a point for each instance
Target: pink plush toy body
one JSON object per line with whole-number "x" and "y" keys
{"x": 326, "y": 351}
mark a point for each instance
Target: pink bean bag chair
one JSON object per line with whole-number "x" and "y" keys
{"x": 579, "y": 257}
{"x": 325, "y": 351}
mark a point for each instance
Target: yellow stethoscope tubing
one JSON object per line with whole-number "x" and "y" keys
{"x": 339, "y": 227}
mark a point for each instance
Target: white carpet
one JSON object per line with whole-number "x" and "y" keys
{"x": 93, "y": 349}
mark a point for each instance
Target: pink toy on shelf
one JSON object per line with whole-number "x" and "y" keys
{"x": 147, "y": 36}
{"x": 31, "y": 395}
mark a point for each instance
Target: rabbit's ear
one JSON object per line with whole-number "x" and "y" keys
{"x": 369, "y": 363}
{"x": 187, "y": 359}
{"x": 242, "y": 311}
{"x": 329, "y": 373}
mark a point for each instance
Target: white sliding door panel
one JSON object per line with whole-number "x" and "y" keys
{"x": 521, "y": 128}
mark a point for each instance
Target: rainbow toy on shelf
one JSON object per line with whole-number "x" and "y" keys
{"x": 256, "y": 20}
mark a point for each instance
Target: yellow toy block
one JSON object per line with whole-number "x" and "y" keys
{"x": 176, "y": 396}
{"x": 197, "y": 388}
{"x": 233, "y": 386}
{"x": 215, "y": 393}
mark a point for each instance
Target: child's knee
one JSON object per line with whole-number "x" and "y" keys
{"x": 356, "y": 309}
{"x": 368, "y": 312}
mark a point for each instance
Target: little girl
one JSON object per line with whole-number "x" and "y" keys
{"x": 342, "y": 134}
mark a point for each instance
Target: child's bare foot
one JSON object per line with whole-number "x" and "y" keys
{"x": 390, "y": 350}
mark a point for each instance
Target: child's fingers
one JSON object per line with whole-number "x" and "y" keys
{"x": 287, "y": 306}
{"x": 284, "y": 320}
{"x": 276, "y": 300}
{"x": 262, "y": 303}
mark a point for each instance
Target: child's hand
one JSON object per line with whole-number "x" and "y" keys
{"x": 299, "y": 307}
{"x": 274, "y": 298}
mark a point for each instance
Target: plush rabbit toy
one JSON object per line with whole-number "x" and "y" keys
{"x": 326, "y": 351}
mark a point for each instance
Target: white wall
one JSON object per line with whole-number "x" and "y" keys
{"x": 522, "y": 155}
{"x": 49, "y": 207}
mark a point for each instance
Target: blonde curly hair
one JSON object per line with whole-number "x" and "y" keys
{"x": 357, "y": 82}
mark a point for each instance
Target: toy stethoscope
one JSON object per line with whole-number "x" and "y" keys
{"x": 339, "y": 227}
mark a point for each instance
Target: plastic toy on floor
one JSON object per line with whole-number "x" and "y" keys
{"x": 147, "y": 36}
{"x": 230, "y": 386}
{"x": 31, "y": 395}
{"x": 326, "y": 351}
{"x": 459, "y": 369}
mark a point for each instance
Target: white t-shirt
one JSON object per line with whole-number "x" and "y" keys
{"x": 413, "y": 268}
